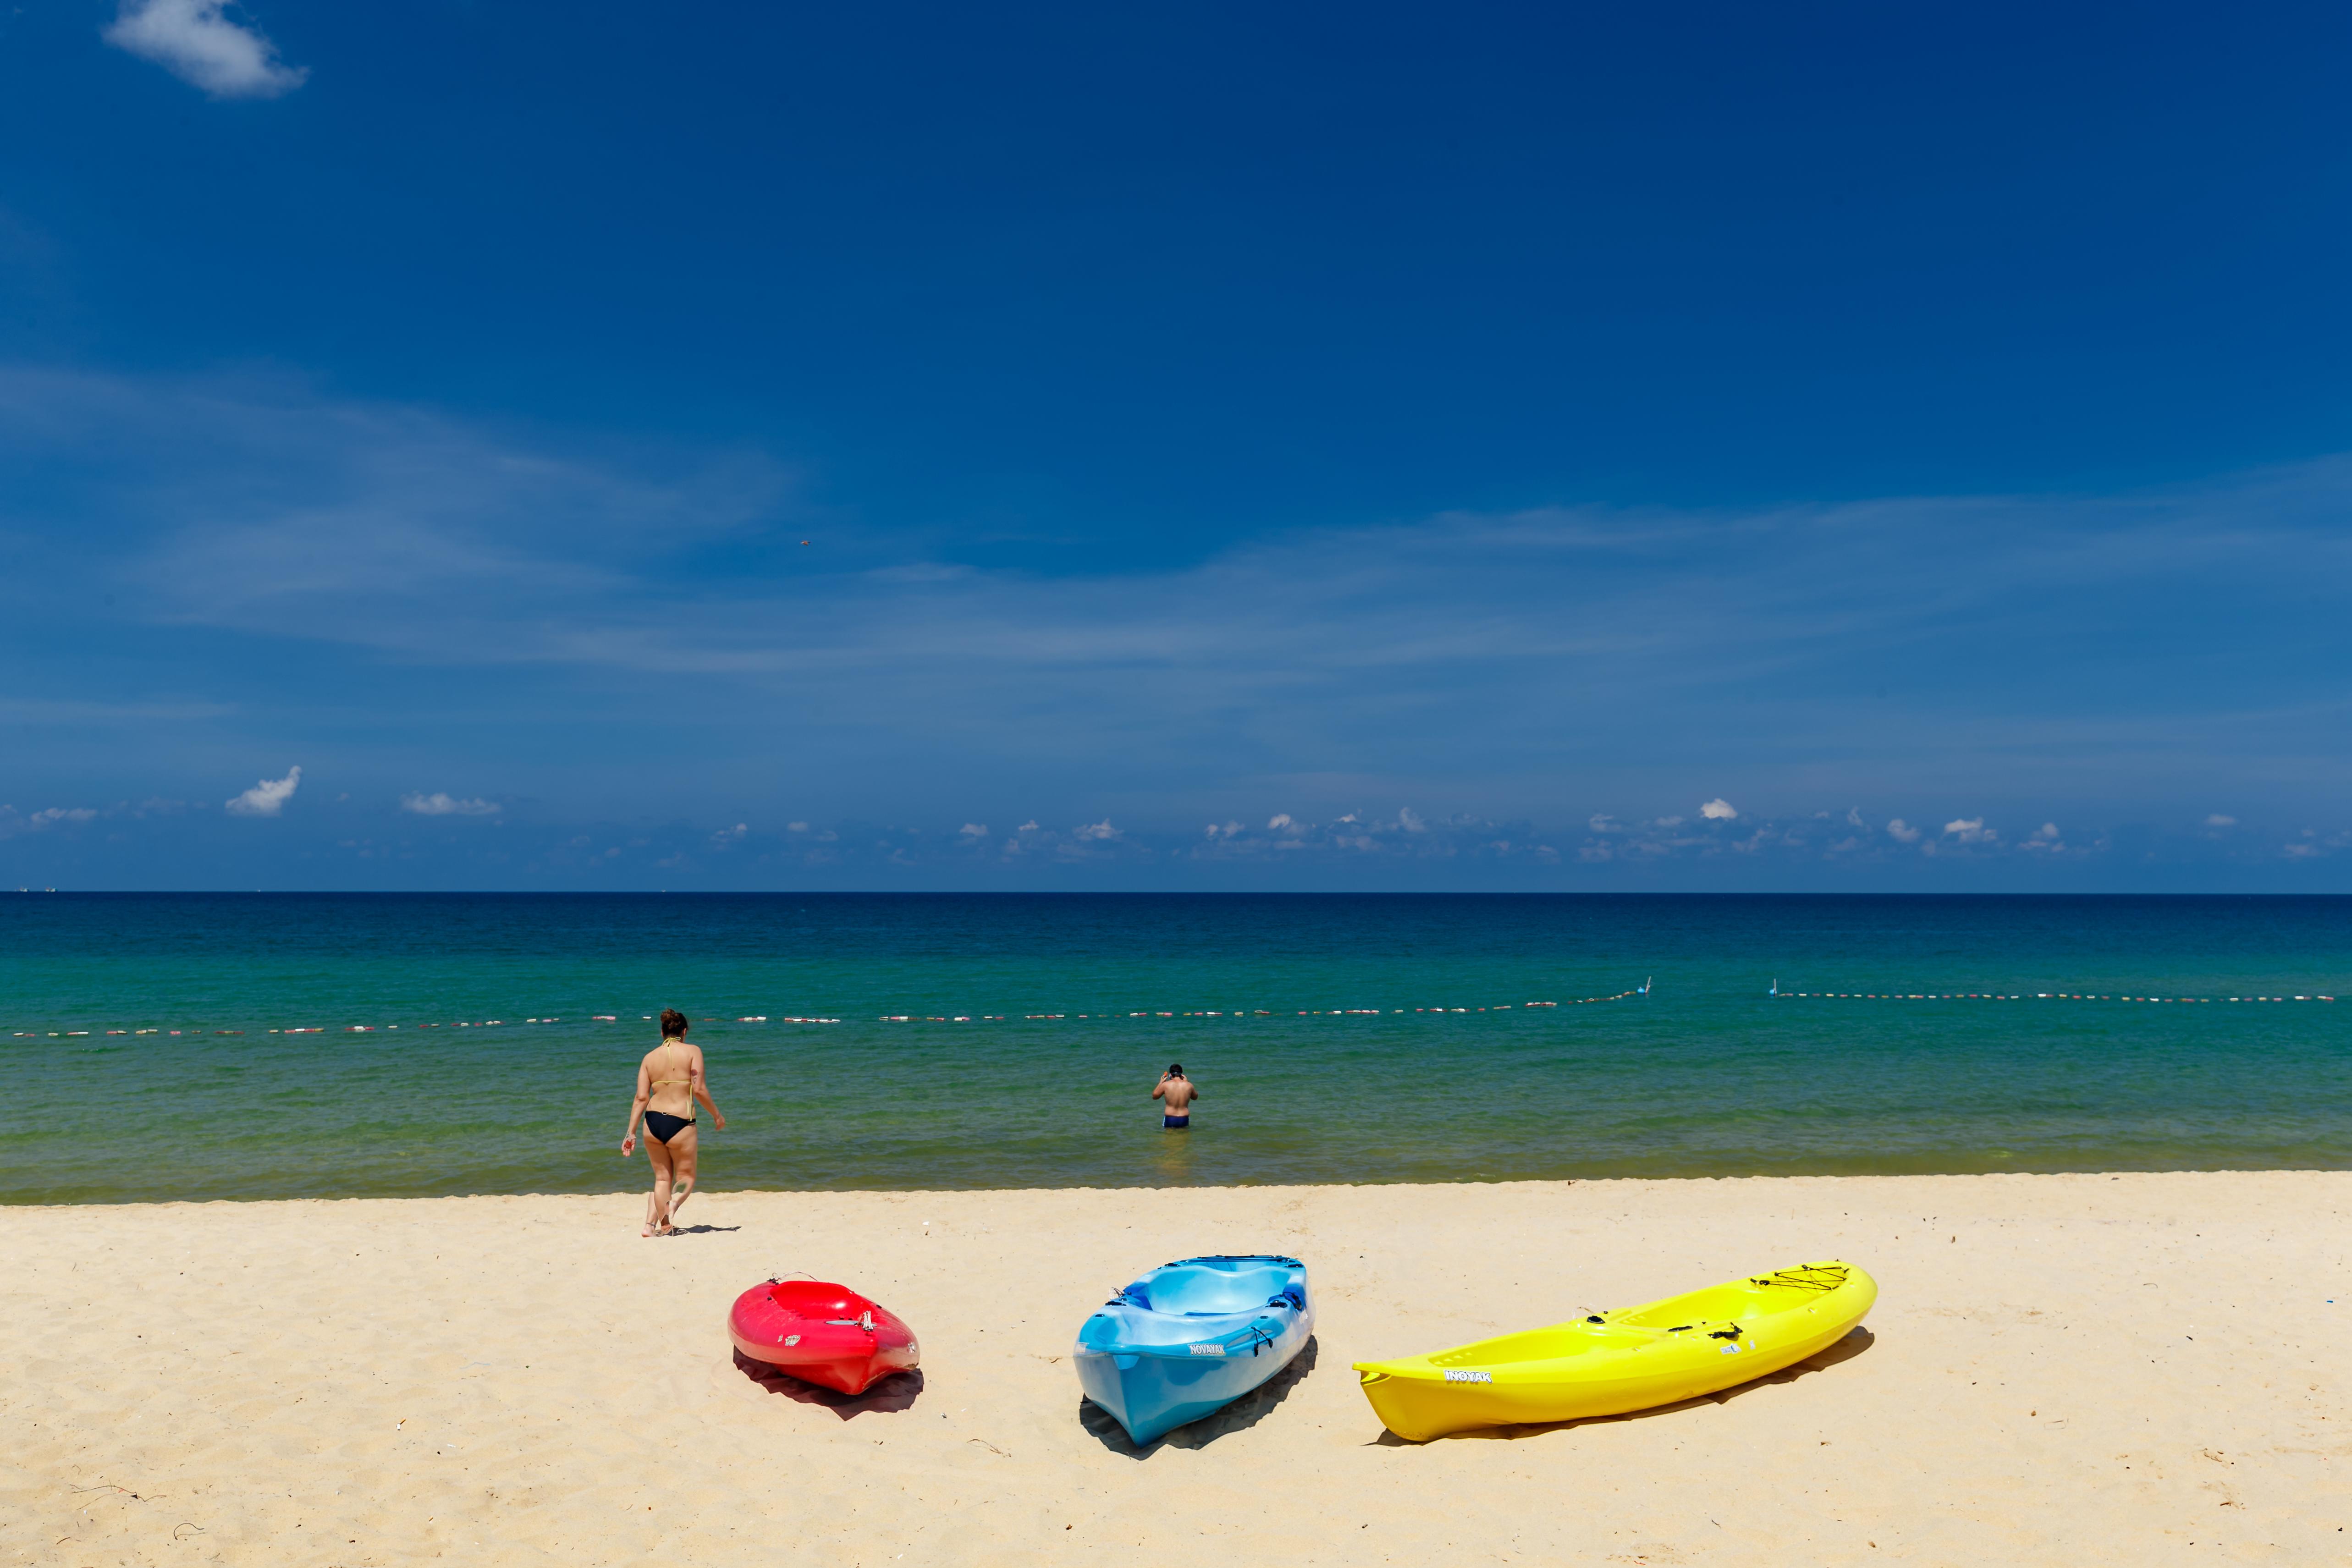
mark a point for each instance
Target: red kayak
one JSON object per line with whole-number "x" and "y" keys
{"x": 825, "y": 1334}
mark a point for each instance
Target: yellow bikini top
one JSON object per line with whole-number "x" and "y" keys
{"x": 657, "y": 1082}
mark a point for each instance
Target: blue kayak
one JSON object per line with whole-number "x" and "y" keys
{"x": 1191, "y": 1337}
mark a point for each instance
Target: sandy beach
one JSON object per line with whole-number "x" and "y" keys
{"x": 2063, "y": 1369}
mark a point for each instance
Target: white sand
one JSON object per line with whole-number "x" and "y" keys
{"x": 2137, "y": 1369}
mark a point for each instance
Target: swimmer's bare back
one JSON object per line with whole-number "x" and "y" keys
{"x": 671, "y": 1073}
{"x": 1178, "y": 1092}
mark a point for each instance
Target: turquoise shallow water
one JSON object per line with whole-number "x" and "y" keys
{"x": 1708, "y": 1074}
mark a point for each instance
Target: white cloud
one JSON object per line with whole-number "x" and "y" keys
{"x": 1603, "y": 822}
{"x": 974, "y": 829}
{"x": 1902, "y": 833}
{"x": 2046, "y": 831}
{"x": 1853, "y": 817}
{"x": 796, "y": 827}
{"x": 195, "y": 41}
{"x": 1969, "y": 831}
{"x": 1276, "y": 824}
{"x": 1409, "y": 821}
{"x": 268, "y": 797}
{"x": 1101, "y": 830}
{"x": 726, "y": 836}
{"x": 2217, "y": 820}
{"x": 1718, "y": 810}
{"x": 1028, "y": 827}
{"x": 440, "y": 803}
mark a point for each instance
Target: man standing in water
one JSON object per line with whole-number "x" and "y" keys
{"x": 1177, "y": 1092}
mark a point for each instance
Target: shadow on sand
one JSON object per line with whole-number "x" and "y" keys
{"x": 896, "y": 1391}
{"x": 1241, "y": 1414}
{"x": 1857, "y": 1339}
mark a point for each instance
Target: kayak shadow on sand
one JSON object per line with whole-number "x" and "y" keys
{"x": 1857, "y": 1339}
{"x": 894, "y": 1393}
{"x": 1243, "y": 1412}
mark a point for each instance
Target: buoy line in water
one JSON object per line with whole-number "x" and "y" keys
{"x": 885, "y": 1017}
{"x": 379, "y": 1028}
{"x": 2012, "y": 997}
{"x": 1240, "y": 1012}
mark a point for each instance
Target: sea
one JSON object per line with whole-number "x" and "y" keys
{"x": 487, "y": 1043}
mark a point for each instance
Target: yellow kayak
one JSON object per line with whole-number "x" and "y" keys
{"x": 1630, "y": 1359}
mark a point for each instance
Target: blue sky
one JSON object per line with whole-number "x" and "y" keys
{"x": 1510, "y": 447}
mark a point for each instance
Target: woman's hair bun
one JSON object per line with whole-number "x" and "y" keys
{"x": 673, "y": 1022}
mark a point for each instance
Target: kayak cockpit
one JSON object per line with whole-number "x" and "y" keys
{"x": 1216, "y": 1286}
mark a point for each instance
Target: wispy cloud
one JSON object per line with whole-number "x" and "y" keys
{"x": 13, "y": 822}
{"x": 441, "y": 804}
{"x": 49, "y": 713}
{"x": 266, "y": 799}
{"x": 1938, "y": 654}
{"x": 198, "y": 42}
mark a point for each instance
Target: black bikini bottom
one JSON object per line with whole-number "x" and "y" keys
{"x": 661, "y": 1126}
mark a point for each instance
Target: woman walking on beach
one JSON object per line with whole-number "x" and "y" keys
{"x": 669, "y": 1081}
